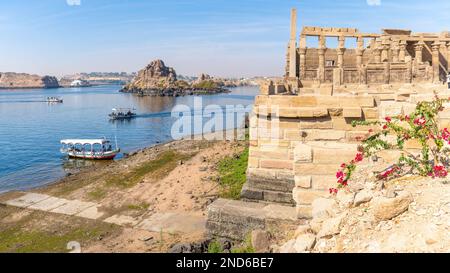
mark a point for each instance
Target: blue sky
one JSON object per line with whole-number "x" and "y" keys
{"x": 221, "y": 37}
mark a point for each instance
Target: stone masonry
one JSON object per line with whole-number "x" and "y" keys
{"x": 301, "y": 127}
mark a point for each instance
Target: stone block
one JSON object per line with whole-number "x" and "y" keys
{"x": 333, "y": 156}
{"x": 324, "y": 182}
{"x": 357, "y": 136}
{"x": 303, "y": 153}
{"x": 323, "y": 135}
{"x": 315, "y": 169}
{"x": 27, "y": 200}
{"x": 49, "y": 204}
{"x": 304, "y": 182}
{"x": 316, "y": 124}
{"x": 353, "y": 112}
{"x": 356, "y": 101}
{"x": 371, "y": 113}
{"x": 304, "y": 101}
{"x": 73, "y": 207}
{"x": 312, "y": 112}
{"x": 307, "y": 197}
{"x": 288, "y": 112}
{"x": 276, "y": 164}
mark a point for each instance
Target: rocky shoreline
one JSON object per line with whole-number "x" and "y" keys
{"x": 12, "y": 80}
{"x": 157, "y": 79}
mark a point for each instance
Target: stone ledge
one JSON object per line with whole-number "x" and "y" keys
{"x": 236, "y": 219}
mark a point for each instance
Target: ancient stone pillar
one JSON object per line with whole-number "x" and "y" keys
{"x": 419, "y": 49}
{"x": 402, "y": 51}
{"x": 293, "y": 45}
{"x": 409, "y": 72}
{"x": 385, "y": 47}
{"x": 395, "y": 52}
{"x": 387, "y": 72}
{"x": 302, "y": 52}
{"x": 435, "y": 62}
{"x": 340, "y": 51}
{"x": 377, "y": 51}
{"x": 321, "y": 52}
{"x": 359, "y": 57}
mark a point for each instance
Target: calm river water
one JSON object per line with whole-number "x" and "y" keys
{"x": 30, "y": 128}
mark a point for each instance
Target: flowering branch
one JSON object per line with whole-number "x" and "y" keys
{"x": 421, "y": 126}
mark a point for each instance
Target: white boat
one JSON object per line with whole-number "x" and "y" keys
{"x": 94, "y": 149}
{"x": 54, "y": 100}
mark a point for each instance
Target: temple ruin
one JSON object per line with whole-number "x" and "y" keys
{"x": 301, "y": 128}
{"x": 392, "y": 57}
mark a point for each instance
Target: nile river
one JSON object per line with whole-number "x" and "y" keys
{"x": 30, "y": 128}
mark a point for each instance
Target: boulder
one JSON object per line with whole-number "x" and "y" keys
{"x": 362, "y": 197}
{"x": 323, "y": 208}
{"x": 385, "y": 209}
{"x": 260, "y": 241}
{"x": 345, "y": 199}
{"x": 331, "y": 227}
{"x": 304, "y": 243}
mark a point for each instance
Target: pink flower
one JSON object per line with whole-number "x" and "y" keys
{"x": 420, "y": 121}
{"x": 440, "y": 171}
{"x": 333, "y": 191}
{"x": 385, "y": 127}
{"x": 340, "y": 175}
{"x": 359, "y": 157}
{"x": 388, "y": 119}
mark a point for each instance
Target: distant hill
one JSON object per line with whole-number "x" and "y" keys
{"x": 22, "y": 80}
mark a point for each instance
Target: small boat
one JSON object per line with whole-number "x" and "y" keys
{"x": 54, "y": 100}
{"x": 122, "y": 113}
{"x": 92, "y": 149}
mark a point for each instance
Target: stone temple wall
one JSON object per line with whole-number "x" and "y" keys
{"x": 298, "y": 142}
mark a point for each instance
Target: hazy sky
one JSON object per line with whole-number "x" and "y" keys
{"x": 218, "y": 37}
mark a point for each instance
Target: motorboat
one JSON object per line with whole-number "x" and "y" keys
{"x": 92, "y": 149}
{"x": 54, "y": 100}
{"x": 122, "y": 113}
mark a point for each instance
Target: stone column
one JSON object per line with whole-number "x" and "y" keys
{"x": 395, "y": 52}
{"x": 302, "y": 52}
{"x": 409, "y": 72}
{"x": 402, "y": 51}
{"x": 359, "y": 58}
{"x": 385, "y": 46}
{"x": 377, "y": 52}
{"x": 387, "y": 72}
{"x": 419, "y": 49}
{"x": 321, "y": 51}
{"x": 436, "y": 62}
{"x": 293, "y": 46}
{"x": 340, "y": 51}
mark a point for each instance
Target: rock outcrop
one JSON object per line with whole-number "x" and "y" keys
{"x": 22, "y": 80}
{"x": 157, "y": 79}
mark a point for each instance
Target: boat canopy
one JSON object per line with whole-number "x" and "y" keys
{"x": 84, "y": 141}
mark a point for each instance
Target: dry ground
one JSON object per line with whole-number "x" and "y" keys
{"x": 177, "y": 177}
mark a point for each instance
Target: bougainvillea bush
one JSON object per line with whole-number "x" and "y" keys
{"x": 421, "y": 126}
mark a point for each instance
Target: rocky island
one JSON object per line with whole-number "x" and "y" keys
{"x": 159, "y": 80}
{"x": 11, "y": 80}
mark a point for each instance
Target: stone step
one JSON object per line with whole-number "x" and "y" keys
{"x": 237, "y": 219}
{"x": 279, "y": 197}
